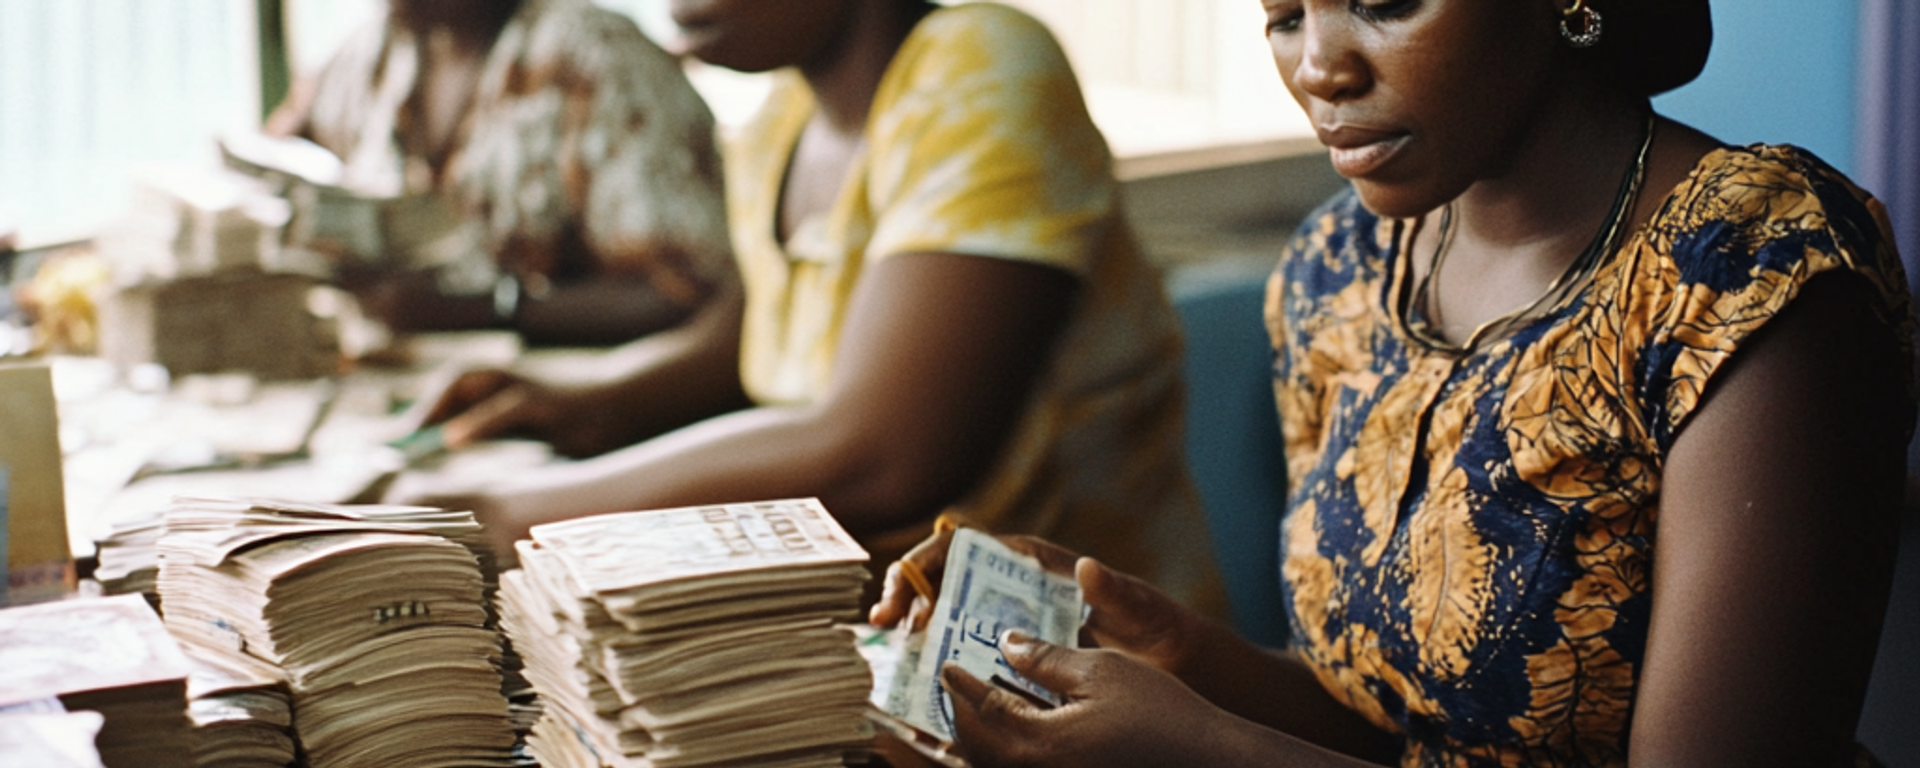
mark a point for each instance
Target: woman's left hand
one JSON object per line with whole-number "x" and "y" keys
{"x": 1118, "y": 711}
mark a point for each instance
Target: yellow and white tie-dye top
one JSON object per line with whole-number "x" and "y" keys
{"x": 978, "y": 143}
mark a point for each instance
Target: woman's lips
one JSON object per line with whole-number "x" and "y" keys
{"x": 1357, "y": 151}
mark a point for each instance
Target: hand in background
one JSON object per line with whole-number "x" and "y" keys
{"x": 492, "y": 403}
{"x": 1117, "y": 711}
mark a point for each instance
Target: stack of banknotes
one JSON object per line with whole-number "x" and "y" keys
{"x": 108, "y": 655}
{"x": 241, "y": 716}
{"x": 700, "y": 636}
{"x": 372, "y": 617}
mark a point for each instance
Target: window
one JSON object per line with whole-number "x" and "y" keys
{"x": 91, "y": 90}
{"x": 1172, "y": 75}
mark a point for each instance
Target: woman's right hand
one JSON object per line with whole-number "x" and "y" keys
{"x": 901, "y": 601}
{"x": 1127, "y": 614}
{"x": 490, "y": 403}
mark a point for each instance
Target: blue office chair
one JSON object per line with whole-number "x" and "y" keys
{"x": 1887, "y": 724}
{"x": 1233, "y": 441}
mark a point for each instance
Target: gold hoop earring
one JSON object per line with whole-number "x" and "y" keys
{"x": 1588, "y": 26}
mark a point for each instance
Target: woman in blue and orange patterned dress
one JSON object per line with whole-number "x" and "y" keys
{"x": 1594, "y": 431}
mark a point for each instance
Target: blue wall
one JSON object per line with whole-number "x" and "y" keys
{"x": 1781, "y": 71}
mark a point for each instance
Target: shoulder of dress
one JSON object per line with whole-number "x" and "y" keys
{"x": 1777, "y": 187}
{"x": 992, "y": 35}
{"x": 985, "y": 18}
{"x": 583, "y": 35}
{"x": 1765, "y": 203}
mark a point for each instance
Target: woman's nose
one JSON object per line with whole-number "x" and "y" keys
{"x": 1329, "y": 68}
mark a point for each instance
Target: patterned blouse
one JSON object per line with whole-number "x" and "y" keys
{"x": 979, "y": 143}
{"x": 584, "y": 149}
{"x": 1467, "y": 552}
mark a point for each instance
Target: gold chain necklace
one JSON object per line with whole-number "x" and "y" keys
{"x": 1603, "y": 243}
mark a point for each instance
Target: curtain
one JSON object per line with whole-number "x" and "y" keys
{"x": 91, "y": 90}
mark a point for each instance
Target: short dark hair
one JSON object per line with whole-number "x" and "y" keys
{"x": 1654, "y": 46}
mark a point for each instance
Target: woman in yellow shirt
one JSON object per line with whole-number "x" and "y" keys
{"x": 942, "y": 309}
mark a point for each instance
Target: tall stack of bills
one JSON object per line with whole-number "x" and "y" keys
{"x": 372, "y": 616}
{"x": 690, "y": 637}
{"x": 129, "y": 563}
{"x": 241, "y": 715}
{"x": 108, "y": 655}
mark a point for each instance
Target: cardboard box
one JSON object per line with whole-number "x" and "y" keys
{"x": 38, "y": 561}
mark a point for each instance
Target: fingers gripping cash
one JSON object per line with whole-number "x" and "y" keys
{"x": 986, "y": 591}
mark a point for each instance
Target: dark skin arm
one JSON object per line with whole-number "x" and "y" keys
{"x": 1775, "y": 551}
{"x": 639, "y": 390}
{"x": 938, "y": 356}
{"x": 606, "y": 308}
{"x": 1779, "y": 517}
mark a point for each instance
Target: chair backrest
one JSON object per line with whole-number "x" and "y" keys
{"x": 1233, "y": 441}
{"x": 1889, "y": 719}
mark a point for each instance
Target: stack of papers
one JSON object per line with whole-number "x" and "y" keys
{"x": 241, "y": 716}
{"x": 689, "y": 637}
{"x": 130, "y": 559}
{"x": 188, "y": 219}
{"x": 373, "y": 617}
{"x": 108, "y": 655}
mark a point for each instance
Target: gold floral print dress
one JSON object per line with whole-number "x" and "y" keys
{"x": 1467, "y": 550}
{"x": 585, "y": 151}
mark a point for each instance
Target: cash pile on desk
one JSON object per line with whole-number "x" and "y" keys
{"x": 241, "y": 714}
{"x": 188, "y": 219}
{"x": 700, "y": 636}
{"x": 373, "y": 617}
{"x": 129, "y": 559}
{"x": 108, "y": 655}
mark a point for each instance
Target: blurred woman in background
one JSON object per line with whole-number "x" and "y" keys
{"x": 944, "y": 310}
{"x": 579, "y": 161}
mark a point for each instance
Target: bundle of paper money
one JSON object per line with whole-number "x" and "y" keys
{"x": 241, "y": 714}
{"x": 692, "y": 637}
{"x": 188, "y": 219}
{"x": 985, "y": 590}
{"x": 108, "y": 655}
{"x": 128, "y": 560}
{"x": 370, "y": 615}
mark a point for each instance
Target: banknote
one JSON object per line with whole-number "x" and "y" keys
{"x": 652, "y": 551}
{"x": 987, "y": 589}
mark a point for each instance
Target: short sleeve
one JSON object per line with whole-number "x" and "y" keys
{"x": 1742, "y": 240}
{"x": 981, "y": 144}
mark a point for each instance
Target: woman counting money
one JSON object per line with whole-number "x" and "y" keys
{"x": 1594, "y": 431}
{"x": 942, "y": 310}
